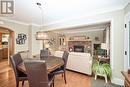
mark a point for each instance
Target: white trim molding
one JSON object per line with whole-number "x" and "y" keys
{"x": 126, "y": 42}
{"x": 13, "y": 21}
{"x": 117, "y": 81}
{"x": 17, "y": 22}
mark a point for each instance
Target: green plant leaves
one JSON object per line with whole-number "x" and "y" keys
{"x": 101, "y": 68}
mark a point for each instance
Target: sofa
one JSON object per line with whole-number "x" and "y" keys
{"x": 58, "y": 53}
{"x": 79, "y": 62}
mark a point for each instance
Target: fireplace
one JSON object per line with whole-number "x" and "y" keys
{"x": 78, "y": 48}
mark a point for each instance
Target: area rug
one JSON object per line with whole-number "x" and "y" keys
{"x": 101, "y": 83}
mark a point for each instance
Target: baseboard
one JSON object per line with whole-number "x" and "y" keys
{"x": 117, "y": 81}
{"x": 88, "y": 74}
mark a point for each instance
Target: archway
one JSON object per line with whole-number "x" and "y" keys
{"x": 10, "y": 46}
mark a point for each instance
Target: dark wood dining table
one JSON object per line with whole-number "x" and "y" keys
{"x": 52, "y": 63}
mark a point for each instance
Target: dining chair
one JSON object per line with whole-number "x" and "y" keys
{"x": 37, "y": 74}
{"x": 19, "y": 75}
{"x": 24, "y": 54}
{"x": 62, "y": 69}
{"x": 44, "y": 54}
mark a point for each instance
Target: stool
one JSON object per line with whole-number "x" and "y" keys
{"x": 104, "y": 75}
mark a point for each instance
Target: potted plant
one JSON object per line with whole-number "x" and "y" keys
{"x": 101, "y": 68}
{"x": 100, "y": 51}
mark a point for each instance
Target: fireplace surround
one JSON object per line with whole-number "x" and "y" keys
{"x": 78, "y": 48}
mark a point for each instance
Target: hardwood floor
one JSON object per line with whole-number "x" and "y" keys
{"x": 73, "y": 79}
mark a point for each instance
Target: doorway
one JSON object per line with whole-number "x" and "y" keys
{"x": 6, "y": 44}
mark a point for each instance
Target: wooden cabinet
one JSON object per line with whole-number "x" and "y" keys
{"x": 3, "y": 53}
{"x": 127, "y": 79}
{"x": 1, "y": 56}
{"x": 0, "y": 37}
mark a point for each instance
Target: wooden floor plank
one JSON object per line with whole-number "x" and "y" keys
{"x": 73, "y": 79}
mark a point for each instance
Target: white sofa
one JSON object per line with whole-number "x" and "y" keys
{"x": 58, "y": 53}
{"x": 80, "y": 62}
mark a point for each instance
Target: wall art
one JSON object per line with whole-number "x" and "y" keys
{"x": 21, "y": 39}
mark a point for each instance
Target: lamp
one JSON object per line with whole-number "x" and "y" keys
{"x": 41, "y": 35}
{"x": 105, "y": 46}
{"x": 47, "y": 45}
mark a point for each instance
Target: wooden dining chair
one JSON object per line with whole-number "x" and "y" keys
{"x": 24, "y": 54}
{"x": 19, "y": 75}
{"x": 44, "y": 54}
{"x": 62, "y": 69}
{"x": 37, "y": 74}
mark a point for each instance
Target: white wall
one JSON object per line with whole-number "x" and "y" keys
{"x": 127, "y": 9}
{"x": 117, "y": 36}
{"x": 31, "y": 44}
{"x": 17, "y": 28}
{"x": 126, "y": 48}
{"x": 34, "y": 45}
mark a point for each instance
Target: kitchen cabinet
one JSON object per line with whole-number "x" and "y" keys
{"x": 1, "y": 56}
{"x": 0, "y": 38}
{"x": 3, "y": 53}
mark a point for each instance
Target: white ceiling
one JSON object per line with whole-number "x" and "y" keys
{"x": 27, "y": 11}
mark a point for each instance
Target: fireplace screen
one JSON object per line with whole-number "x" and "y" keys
{"x": 78, "y": 48}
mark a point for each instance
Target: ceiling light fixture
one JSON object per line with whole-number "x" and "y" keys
{"x": 41, "y": 35}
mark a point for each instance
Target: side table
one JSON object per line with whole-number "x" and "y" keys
{"x": 104, "y": 59}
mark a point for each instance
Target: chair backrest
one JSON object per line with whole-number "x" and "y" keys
{"x": 44, "y": 54}
{"x": 65, "y": 58}
{"x": 24, "y": 54}
{"x": 37, "y": 73}
{"x": 15, "y": 60}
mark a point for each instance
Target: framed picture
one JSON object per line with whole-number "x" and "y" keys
{"x": 96, "y": 38}
{"x": 21, "y": 39}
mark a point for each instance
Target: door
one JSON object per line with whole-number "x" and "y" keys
{"x": 127, "y": 42}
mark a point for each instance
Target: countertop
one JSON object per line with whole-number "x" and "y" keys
{"x": 3, "y": 47}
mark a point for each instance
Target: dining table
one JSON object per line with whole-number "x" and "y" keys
{"x": 52, "y": 63}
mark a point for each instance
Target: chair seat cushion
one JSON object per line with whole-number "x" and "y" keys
{"x": 22, "y": 74}
{"x": 57, "y": 71}
{"x": 23, "y": 78}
